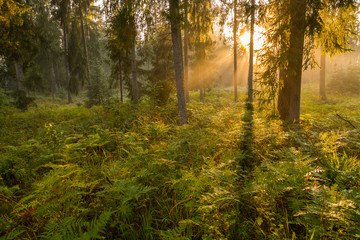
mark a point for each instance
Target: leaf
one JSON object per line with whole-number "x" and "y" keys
{"x": 259, "y": 221}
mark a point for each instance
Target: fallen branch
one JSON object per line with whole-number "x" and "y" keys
{"x": 346, "y": 120}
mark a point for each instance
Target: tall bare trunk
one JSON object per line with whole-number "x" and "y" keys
{"x": 67, "y": 68}
{"x": 52, "y": 75}
{"x": 134, "y": 83}
{"x": 120, "y": 83}
{"x": 202, "y": 92}
{"x": 177, "y": 53}
{"x": 186, "y": 54}
{"x": 289, "y": 94}
{"x": 198, "y": 51}
{"x": 19, "y": 74}
{"x": 85, "y": 45}
{"x": 235, "y": 28}
{"x": 201, "y": 81}
{"x": 322, "y": 76}
{"x": 202, "y": 58}
{"x": 251, "y": 54}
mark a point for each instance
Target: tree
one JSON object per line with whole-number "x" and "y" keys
{"x": 158, "y": 68}
{"x": 134, "y": 81}
{"x": 122, "y": 37}
{"x": 200, "y": 24}
{"x": 186, "y": 49}
{"x": 77, "y": 60}
{"x": 11, "y": 16}
{"x": 289, "y": 93}
{"x": 18, "y": 41}
{"x": 292, "y": 28}
{"x": 235, "y": 29}
{"x": 119, "y": 42}
{"x": 49, "y": 35}
{"x": 82, "y": 7}
{"x": 251, "y": 51}
{"x": 239, "y": 17}
{"x": 177, "y": 52}
{"x": 333, "y": 39}
{"x": 62, "y": 13}
{"x": 322, "y": 76}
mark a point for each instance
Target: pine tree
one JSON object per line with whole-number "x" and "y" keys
{"x": 235, "y": 30}
{"x": 177, "y": 52}
{"x": 251, "y": 51}
{"x": 122, "y": 40}
{"x": 186, "y": 50}
{"x": 200, "y": 24}
{"x": 18, "y": 43}
{"x": 62, "y": 13}
{"x": 77, "y": 60}
{"x": 292, "y": 28}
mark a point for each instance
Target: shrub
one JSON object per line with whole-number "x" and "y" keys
{"x": 97, "y": 90}
{"x": 21, "y": 100}
{"x": 4, "y": 98}
{"x": 160, "y": 91}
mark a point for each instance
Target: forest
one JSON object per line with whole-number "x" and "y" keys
{"x": 179, "y": 119}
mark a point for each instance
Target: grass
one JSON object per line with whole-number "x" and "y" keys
{"x": 130, "y": 172}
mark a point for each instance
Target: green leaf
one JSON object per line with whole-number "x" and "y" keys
{"x": 259, "y": 221}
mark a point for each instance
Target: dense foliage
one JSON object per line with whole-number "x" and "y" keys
{"x": 115, "y": 164}
{"x": 129, "y": 172}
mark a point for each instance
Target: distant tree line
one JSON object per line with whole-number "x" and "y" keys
{"x": 156, "y": 48}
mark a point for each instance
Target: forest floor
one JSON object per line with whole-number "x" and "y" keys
{"x": 130, "y": 172}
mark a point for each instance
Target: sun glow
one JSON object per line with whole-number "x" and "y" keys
{"x": 258, "y": 39}
{"x": 244, "y": 38}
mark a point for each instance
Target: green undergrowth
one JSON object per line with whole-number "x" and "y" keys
{"x": 130, "y": 172}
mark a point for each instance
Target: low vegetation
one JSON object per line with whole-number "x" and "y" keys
{"x": 121, "y": 171}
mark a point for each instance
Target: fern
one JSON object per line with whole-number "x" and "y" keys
{"x": 72, "y": 228}
{"x": 14, "y": 234}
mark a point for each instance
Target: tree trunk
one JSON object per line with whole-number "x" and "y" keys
{"x": 120, "y": 82}
{"x": 198, "y": 52}
{"x": 202, "y": 95}
{"x": 202, "y": 58}
{"x": 52, "y": 75}
{"x": 289, "y": 94}
{"x": 322, "y": 76}
{"x": 67, "y": 68}
{"x": 186, "y": 54}
{"x": 19, "y": 75}
{"x": 177, "y": 53}
{"x": 235, "y": 51}
{"x": 85, "y": 45}
{"x": 134, "y": 83}
{"x": 251, "y": 54}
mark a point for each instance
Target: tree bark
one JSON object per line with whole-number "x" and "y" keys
{"x": 198, "y": 51}
{"x": 52, "y": 75}
{"x": 19, "y": 74}
{"x": 177, "y": 53}
{"x": 322, "y": 76}
{"x": 235, "y": 29}
{"x": 120, "y": 83}
{"x": 289, "y": 94}
{"x": 251, "y": 54}
{"x": 85, "y": 44}
{"x": 202, "y": 92}
{"x": 134, "y": 83}
{"x": 186, "y": 54}
{"x": 200, "y": 62}
{"x": 67, "y": 68}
